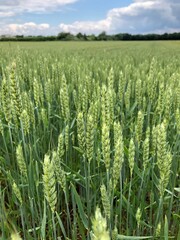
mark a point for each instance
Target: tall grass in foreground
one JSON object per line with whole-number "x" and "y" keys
{"x": 89, "y": 144}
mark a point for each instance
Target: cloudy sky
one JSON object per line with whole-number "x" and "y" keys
{"x": 49, "y": 17}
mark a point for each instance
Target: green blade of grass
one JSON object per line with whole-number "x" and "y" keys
{"x": 43, "y": 224}
{"x": 132, "y": 237}
{"x": 61, "y": 225}
{"x": 166, "y": 229}
{"x": 80, "y": 207}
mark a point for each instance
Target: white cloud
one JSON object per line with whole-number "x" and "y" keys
{"x": 92, "y": 27}
{"x": 19, "y": 6}
{"x": 29, "y": 28}
{"x": 11, "y": 9}
{"x": 139, "y": 17}
{"x": 6, "y": 14}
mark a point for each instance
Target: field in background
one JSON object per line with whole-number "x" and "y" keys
{"x": 87, "y": 126}
{"x": 162, "y": 46}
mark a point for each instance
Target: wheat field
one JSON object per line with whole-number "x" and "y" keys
{"x": 89, "y": 140}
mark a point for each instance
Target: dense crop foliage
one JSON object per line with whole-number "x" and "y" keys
{"x": 89, "y": 140}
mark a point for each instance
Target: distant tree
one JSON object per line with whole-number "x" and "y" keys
{"x": 118, "y": 36}
{"x": 51, "y": 38}
{"x": 65, "y": 36}
{"x": 19, "y": 36}
{"x": 80, "y": 36}
{"x": 165, "y": 36}
{"x": 126, "y": 36}
{"x": 174, "y": 36}
{"x": 102, "y": 36}
{"x": 91, "y": 37}
{"x": 85, "y": 37}
{"x": 70, "y": 37}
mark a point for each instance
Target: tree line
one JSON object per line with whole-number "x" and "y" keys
{"x": 103, "y": 36}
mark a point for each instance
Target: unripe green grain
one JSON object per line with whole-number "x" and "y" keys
{"x": 88, "y": 85}
{"x": 164, "y": 159}
{"x": 115, "y": 234}
{"x": 165, "y": 173}
{"x": 1, "y": 127}
{"x": 158, "y": 230}
{"x": 84, "y": 100}
{"x": 90, "y": 138}
{"x": 121, "y": 86}
{"x": 99, "y": 227}
{"x": 60, "y": 148}
{"x": 145, "y": 152}
{"x": 131, "y": 156}
{"x": 167, "y": 103}
{"x": 139, "y": 126}
{"x": 64, "y": 97}
{"x": 161, "y": 144}
{"x": 31, "y": 114}
{"x": 25, "y": 101}
{"x": 49, "y": 183}
{"x": 48, "y": 90}
{"x": 41, "y": 94}
{"x": 25, "y": 121}
{"x": 160, "y": 106}
{"x": 21, "y": 161}
{"x": 105, "y": 201}
{"x": 44, "y": 117}
{"x": 106, "y": 146}
{"x": 138, "y": 216}
{"x": 6, "y": 101}
{"x": 15, "y": 92}
{"x": 17, "y": 192}
{"x": 154, "y": 140}
{"x": 127, "y": 96}
{"x": 138, "y": 92}
{"x": 36, "y": 90}
{"x": 177, "y": 118}
{"x": 76, "y": 100}
{"x": 94, "y": 111}
{"x": 66, "y": 136}
{"x": 81, "y": 131}
{"x": 119, "y": 153}
{"x": 59, "y": 172}
{"x": 98, "y": 156}
{"x": 15, "y": 236}
{"x": 110, "y": 99}
{"x": 105, "y": 109}
{"x": 111, "y": 79}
